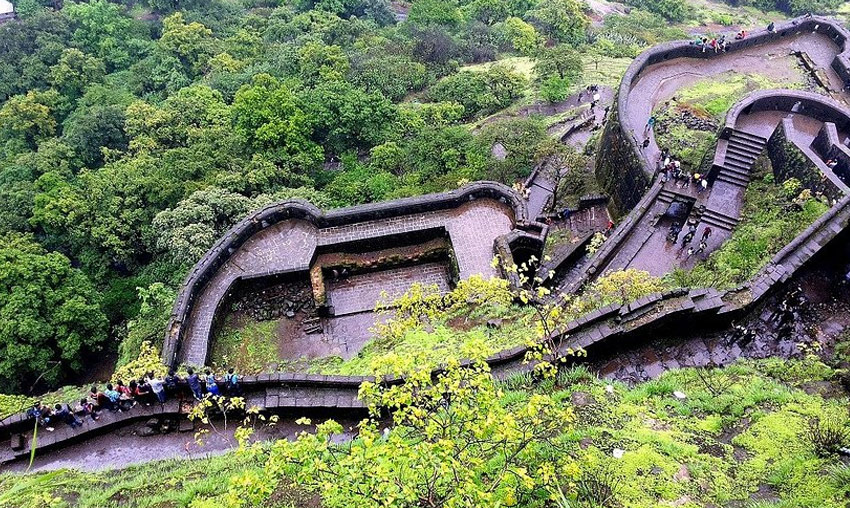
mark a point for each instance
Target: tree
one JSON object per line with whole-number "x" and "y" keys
{"x": 480, "y": 92}
{"x": 424, "y": 13}
{"x": 187, "y": 231}
{"x": 564, "y": 20}
{"x": 523, "y": 37}
{"x": 49, "y": 315}
{"x": 319, "y": 62}
{"x": 520, "y": 137}
{"x": 270, "y": 116}
{"x": 394, "y": 76}
{"x": 104, "y": 215}
{"x": 29, "y": 118}
{"x": 17, "y": 193}
{"x": 191, "y": 43}
{"x": 181, "y": 118}
{"x": 453, "y": 443}
{"x": 74, "y": 71}
{"x": 555, "y": 89}
{"x": 90, "y": 130}
{"x": 346, "y": 117}
{"x": 103, "y": 30}
{"x": 560, "y": 61}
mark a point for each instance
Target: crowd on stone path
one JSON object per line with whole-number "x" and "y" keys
{"x": 120, "y": 397}
{"x": 670, "y": 169}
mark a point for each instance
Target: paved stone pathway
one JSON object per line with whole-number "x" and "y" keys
{"x": 540, "y": 184}
{"x": 774, "y": 60}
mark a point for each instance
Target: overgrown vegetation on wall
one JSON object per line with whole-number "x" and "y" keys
{"x": 742, "y": 434}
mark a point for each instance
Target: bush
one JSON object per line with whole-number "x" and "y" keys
{"x": 827, "y": 436}
{"x": 555, "y": 89}
{"x": 480, "y": 92}
{"x": 673, "y": 10}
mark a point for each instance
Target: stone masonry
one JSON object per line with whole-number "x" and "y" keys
{"x": 291, "y": 245}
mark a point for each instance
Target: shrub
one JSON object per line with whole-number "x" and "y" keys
{"x": 598, "y": 487}
{"x": 827, "y": 436}
{"x": 555, "y": 89}
{"x": 480, "y": 92}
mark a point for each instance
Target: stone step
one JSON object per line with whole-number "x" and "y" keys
{"x": 741, "y": 166}
{"x": 742, "y": 151}
{"x": 749, "y": 136}
{"x": 744, "y": 143}
{"x": 719, "y": 219}
{"x": 738, "y": 171}
{"x": 666, "y": 196}
{"x": 733, "y": 179}
{"x": 741, "y": 159}
{"x": 736, "y": 145}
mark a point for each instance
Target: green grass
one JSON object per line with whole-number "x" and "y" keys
{"x": 520, "y": 64}
{"x": 171, "y": 483}
{"x": 709, "y": 448}
{"x": 249, "y": 346}
{"x": 716, "y": 95}
{"x": 603, "y": 71}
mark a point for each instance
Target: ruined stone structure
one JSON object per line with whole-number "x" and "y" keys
{"x": 622, "y": 160}
{"x": 783, "y": 122}
{"x": 297, "y": 240}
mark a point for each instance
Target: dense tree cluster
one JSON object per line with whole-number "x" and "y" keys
{"x": 133, "y": 135}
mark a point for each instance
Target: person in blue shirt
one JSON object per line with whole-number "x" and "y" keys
{"x": 194, "y": 384}
{"x": 232, "y": 383}
{"x": 212, "y": 385}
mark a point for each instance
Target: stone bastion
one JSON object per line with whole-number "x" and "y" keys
{"x": 622, "y": 167}
{"x": 296, "y": 239}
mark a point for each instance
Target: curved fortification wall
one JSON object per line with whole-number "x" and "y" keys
{"x": 621, "y": 161}
{"x": 207, "y": 268}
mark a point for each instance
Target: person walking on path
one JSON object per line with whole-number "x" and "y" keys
{"x": 650, "y": 124}
{"x": 706, "y": 233}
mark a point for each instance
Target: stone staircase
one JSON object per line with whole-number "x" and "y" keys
{"x": 718, "y": 219}
{"x": 742, "y": 150}
{"x": 312, "y": 323}
{"x": 666, "y": 196}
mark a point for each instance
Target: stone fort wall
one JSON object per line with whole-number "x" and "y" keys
{"x": 620, "y": 162}
{"x": 597, "y": 331}
{"x": 219, "y": 254}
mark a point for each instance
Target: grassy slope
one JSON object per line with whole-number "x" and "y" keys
{"x": 708, "y": 98}
{"x": 707, "y": 448}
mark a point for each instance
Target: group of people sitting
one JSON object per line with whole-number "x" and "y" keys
{"x": 716, "y": 43}
{"x": 721, "y": 44}
{"x": 147, "y": 390}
